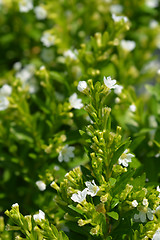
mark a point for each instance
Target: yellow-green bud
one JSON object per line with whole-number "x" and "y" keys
{"x": 82, "y": 222}
{"x": 94, "y": 231}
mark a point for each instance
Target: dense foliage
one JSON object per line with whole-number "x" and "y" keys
{"x": 80, "y": 151}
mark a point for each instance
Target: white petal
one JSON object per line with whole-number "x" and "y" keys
{"x": 150, "y": 214}
{"x": 142, "y": 216}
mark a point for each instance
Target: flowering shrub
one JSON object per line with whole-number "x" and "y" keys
{"x": 79, "y": 125}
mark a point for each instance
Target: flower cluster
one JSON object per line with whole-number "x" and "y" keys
{"x": 26, "y": 76}
{"x": 5, "y": 92}
{"x": 144, "y": 212}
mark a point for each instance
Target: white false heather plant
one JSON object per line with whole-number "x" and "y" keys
{"x": 73, "y": 142}
{"x": 118, "y": 195}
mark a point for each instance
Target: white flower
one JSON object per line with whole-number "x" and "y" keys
{"x": 158, "y": 189}
{"x": 132, "y": 108}
{"x": 42, "y": 68}
{"x": 15, "y": 205}
{"x": 153, "y": 24}
{"x": 116, "y": 8}
{"x": 144, "y": 214}
{"x": 5, "y": 90}
{"x": 79, "y": 196}
{"x": 25, "y": 5}
{"x": 70, "y": 54}
{"x": 56, "y": 168}
{"x": 75, "y": 102}
{"x": 26, "y": 76}
{"x": 118, "y": 89}
{"x": 32, "y": 86}
{"x": 26, "y": 73}
{"x": 119, "y": 18}
{"x": 117, "y": 100}
{"x": 82, "y": 85}
{"x": 127, "y": 45}
{"x": 107, "y": 1}
{"x": 134, "y": 203}
{"x": 152, "y": 3}
{"x": 92, "y": 188}
{"x": 47, "y": 55}
{"x": 66, "y": 153}
{"x": 145, "y": 202}
{"x": 158, "y": 208}
{"x": 157, "y": 155}
{"x": 151, "y": 66}
{"x": 40, "y": 12}
{"x": 39, "y": 216}
{"x": 125, "y": 158}
{"x": 47, "y": 39}
{"x": 41, "y": 185}
{"x": 158, "y": 71}
{"x": 17, "y": 66}
{"x": 152, "y": 121}
{"x": 4, "y": 103}
{"x": 111, "y": 84}
{"x": 156, "y": 236}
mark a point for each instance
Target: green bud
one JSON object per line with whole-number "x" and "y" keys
{"x": 105, "y": 198}
{"x": 82, "y": 222}
{"x": 18, "y": 238}
{"x": 95, "y": 139}
{"x": 68, "y": 217}
{"x": 126, "y": 191}
{"x": 55, "y": 186}
{"x": 48, "y": 149}
{"x": 98, "y": 37}
{"x": 90, "y": 84}
{"x": 12, "y": 228}
{"x": 2, "y": 225}
{"x": 95, "y": 230}
{"x": 29, "y": 222}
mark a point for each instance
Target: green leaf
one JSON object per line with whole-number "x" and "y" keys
{"x": 54, "y": 230}
{"x": 139, "y": 181}
{"x": 136, "y": 142}
{"x": 114, "y": 202}
{"x": 112, "y": 181}
{"x": 113, "y": 215}
{"x": 62, "y": 236}
{"x": 76, "y": 209}
{"x": 157, "y": 143}
{"x": 122, "y": 181}
{"x": 154, "y": 90}
{"x": 86, "y": 173}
